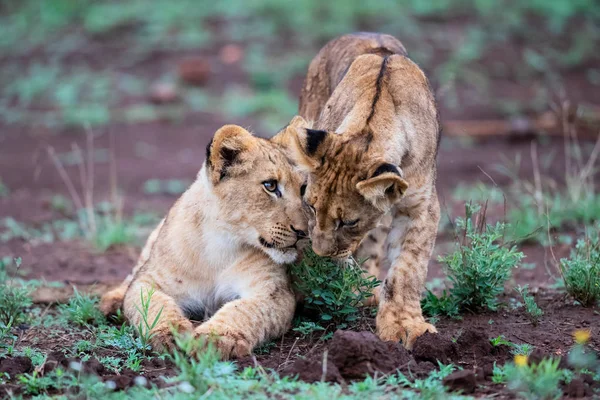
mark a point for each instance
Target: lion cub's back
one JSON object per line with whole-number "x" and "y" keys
{"x": 332, "y": 62}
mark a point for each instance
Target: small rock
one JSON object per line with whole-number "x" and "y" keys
{"x": 194, "y": 70}
{"x": 163, "y": 93}
{"x": 464, "y": 380}
{"x": 231, "y": 54}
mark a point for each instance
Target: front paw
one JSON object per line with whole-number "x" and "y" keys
{"x": 405, "y": 330}
{"x": 229, "y": 344}
{"x": 162, "y": 338}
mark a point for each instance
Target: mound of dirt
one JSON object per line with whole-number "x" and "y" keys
{"x": 359, "y": 354}
{"x": 434, "y": 347}
{"x": 14, "y": 366}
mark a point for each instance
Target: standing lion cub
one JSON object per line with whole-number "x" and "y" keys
{"x": 372, "y": 160}
{"x": 219, "y": 251}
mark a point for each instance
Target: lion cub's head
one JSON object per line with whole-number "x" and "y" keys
{"x": 348, "y": 190}
{"x": 258, "y": 190}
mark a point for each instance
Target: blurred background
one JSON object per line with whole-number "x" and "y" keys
{"x": 106, "y": 107}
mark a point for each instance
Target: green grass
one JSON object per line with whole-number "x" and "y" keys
{"x": 82, "y": 309}
{"x": 581, "y": 271}
{"x": 478, "y": 269}
{"x": 534, "y": 312}
{"x": 564, "y": 37}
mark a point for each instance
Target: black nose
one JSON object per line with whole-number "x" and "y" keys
{"x": 299, "y": 233}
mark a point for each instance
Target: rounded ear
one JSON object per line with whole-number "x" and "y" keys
{"x": 305, "y": 146}
{"x": 286, "y": 136}
{"x": 225, "y": 154}
{"x": 384, "y": 188}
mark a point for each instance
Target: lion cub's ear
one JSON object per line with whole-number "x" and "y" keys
{"x": 226, "y": 153}
{"x": 384, "y": 188}
{"x": 306, "y": 146}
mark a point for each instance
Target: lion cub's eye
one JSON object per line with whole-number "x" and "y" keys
{"x": 270, "y": 185}
{"x": 349, "y": 224}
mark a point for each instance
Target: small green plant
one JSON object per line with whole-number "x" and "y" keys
{"x": 477, "y": 269}
{"x": 203, "y": 370}
{"x": 523, "y": 349}
{"x": 14, "y": 299}
{"x": 307, "y": 328}
{"x": 445, "y": 304}
{"x": 581, "y": 272}
{"x": 498, "y": 374}
{"x": 535, "y": 381}
{"x": 333, "y": 291}
{"x": 500, "y": 341}
{"x": 533, "y": 310}
{"x": 144, "y": 328}
{"x": 430, "y": 387}
{"x": 82, "y": 309}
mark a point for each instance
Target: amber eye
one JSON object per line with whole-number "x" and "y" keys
{"x": 270, "y": 185}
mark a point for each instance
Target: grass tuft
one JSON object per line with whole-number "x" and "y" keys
{"x": 581, "y": 271}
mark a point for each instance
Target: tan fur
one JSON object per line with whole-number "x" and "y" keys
{"x": 378, "y": 111}
{"x": 206, "y": 259}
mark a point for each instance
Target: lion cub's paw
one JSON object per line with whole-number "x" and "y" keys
{"x": 228, "y": 344}
{"x": 406, "y": 331}
{"x": 112, "y": 301}
{"x": 162, "y": 337}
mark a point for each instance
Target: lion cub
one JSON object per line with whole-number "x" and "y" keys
{"x": 219, "y": 251}
{"x": 372, "y": 168}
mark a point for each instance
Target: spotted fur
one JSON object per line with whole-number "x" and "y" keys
{"x": 218, "y": 253}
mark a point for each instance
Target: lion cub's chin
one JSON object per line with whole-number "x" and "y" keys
{"x": 282, "y": 256}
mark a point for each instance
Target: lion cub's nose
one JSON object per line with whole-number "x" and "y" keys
{"x": 299, "y": 233}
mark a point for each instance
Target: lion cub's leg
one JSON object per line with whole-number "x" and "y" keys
{"x": 409, "y": 246}
{"x": 265, "y": 310}
{"x": 112, "y": 301}
{"x": 371, "y": 249}
{"x": 159, "y": 305}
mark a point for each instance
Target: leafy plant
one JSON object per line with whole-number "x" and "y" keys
{"x": 82, "y": 309}
{"x": 535, "y": 381}
{"x": 581, "y": 272}
{"x": 14, "y": 299}
{"x": 332, "y": 291}
{"x": 445, "y": 304}
{"x": 533, "y": 310}
{"x": 478, "y": 268}
{"x": 523, "y": 349}
{"x": 500, "y": 341}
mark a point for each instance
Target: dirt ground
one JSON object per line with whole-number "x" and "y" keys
{"x": 176, "y": 151}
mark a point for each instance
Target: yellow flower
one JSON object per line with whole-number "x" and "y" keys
{"x": 521, "y": 360}
{"x": 582, "y": 336}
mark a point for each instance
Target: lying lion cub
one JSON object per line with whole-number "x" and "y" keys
{"x": 220, "y": 248}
